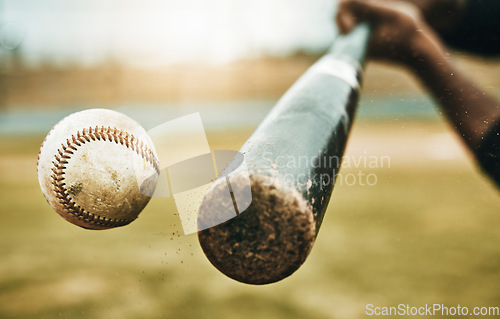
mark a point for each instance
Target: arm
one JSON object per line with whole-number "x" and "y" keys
{"x": 471, "y": 110}
{"x": 400, "y": 35}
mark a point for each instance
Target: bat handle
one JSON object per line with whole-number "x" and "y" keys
{"x": 352, "y": 46}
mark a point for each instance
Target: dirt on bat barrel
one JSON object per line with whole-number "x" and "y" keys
{"x": 265, "y": 243}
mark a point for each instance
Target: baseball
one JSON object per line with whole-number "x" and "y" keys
{"x": 98, "y": 169}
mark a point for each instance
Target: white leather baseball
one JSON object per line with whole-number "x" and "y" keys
{"x": 98, "y": 169}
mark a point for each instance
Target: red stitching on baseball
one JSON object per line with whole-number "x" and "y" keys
{"x": 58, "y": 180}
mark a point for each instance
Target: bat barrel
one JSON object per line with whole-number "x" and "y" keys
{"x": 293, "y": 158}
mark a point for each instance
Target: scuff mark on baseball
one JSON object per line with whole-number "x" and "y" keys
{"x": 98, "y": 169}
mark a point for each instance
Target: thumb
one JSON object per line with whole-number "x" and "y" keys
{"x": 344, "y": 17}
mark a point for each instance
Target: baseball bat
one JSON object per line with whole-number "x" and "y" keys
{"x": 293, "y": 158}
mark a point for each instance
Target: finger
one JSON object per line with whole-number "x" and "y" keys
{"x": 350, "y": 12}
{"x": 409, "y": 9}
{"x": 366, "y": 10}
{"x": 374, "y": 11}
{"x": 345, "y": 21}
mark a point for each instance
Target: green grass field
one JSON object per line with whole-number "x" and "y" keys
{"x": 427, "y": 232}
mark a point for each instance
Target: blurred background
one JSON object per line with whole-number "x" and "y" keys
{"x": 425, "y": 232}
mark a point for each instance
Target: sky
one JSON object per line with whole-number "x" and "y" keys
{"x": 162, "y": 32}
